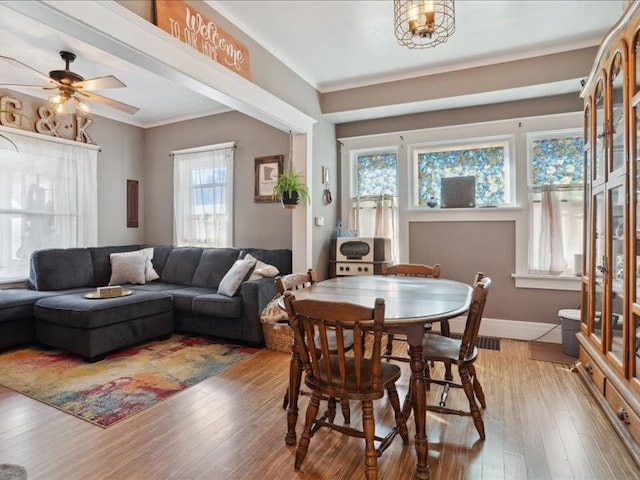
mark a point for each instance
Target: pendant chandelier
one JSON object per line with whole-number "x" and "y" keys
{"x": 423, "y": 23}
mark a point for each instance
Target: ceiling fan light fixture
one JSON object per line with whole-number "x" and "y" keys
{"x": 423, "y": 23}
{"x": 82, "y": 106}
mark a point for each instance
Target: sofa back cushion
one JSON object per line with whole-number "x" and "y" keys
{"x": 160, "y": 255}
{"x": 214, "y": 264}
{"x": 61, "y": 268}
{"x": 181, "y": 265}
{"x": 278, "y": 257}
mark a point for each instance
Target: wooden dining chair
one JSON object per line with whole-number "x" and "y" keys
{"x": 462, "y": 353}
{"x": 412, "y": 270}
{"x": 356, "y": 374}
{"x": 296, "y": 281}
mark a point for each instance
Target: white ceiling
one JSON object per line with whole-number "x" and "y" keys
{"x": 333, "y": 45}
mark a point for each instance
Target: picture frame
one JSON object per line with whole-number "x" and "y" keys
{"x": 267, "y": 171}
{"x": 132, "y": 204}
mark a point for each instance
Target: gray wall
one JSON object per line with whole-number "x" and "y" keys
{"x": 465, "y": 248}
{"x": 265, "y": 225}
{"x": 121, "y": 158}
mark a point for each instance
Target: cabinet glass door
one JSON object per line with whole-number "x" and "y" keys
{"x": 617, "y": 114}
{"x": 616, "y": 311}
{"x": 599, "y": 273}
{"x": 586, "y": 272}
{"x": 634, "y": 351}
{"x": 598, "y": 171}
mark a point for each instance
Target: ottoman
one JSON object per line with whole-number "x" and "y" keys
{"x": 93, "y": 327}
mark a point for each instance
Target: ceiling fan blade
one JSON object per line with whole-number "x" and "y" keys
{"x": 18, "y": 85}
{"x": 19, "y": 64}
{"x": 99, "y": 83}
{"x": 110, "y": 102}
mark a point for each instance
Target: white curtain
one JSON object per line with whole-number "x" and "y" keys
{"x": 203, "y": 196}
{"x": 376, "y": 216}
{"x": 556, "y": 229}
{"x": 48, "y": 198}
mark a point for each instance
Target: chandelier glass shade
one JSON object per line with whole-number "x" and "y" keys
{"x": 65, "y": 102}
{"x": 423, "y": 23}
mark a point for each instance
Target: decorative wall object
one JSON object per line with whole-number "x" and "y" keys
{"x": 267, "y": 171}
{"x": 70, "y": 127}
{"x": 191, "y": 27}
{"x": 132, "y": 204}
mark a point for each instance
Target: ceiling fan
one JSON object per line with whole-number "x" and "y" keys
{"x": 71, "y": 86}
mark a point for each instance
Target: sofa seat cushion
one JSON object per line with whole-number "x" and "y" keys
{"x": 217, "y": 305}
{"x": 73, "y": 310}
{"x": 183, "y": 297}
{"x": 157, "y": 287}
{"x": 18, "y": 302}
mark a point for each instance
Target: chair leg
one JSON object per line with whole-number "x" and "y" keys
{"x": 408, "y": 403}
{"x": 445, "y": 331}
{"x": 369, "y": 430}
{"x": 475, "y": 411}
{"x": 477, "y": 388}
{"x": 346, "y": 410}
{"x": 305, "y": 437}
{"x": 331, "y": 409}
{"x": 389, "y": 348}
{"x": 401, "y": 420}
{"x": 285, "y": 400}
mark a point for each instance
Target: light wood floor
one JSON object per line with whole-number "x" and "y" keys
{"x": 541, "y": 423}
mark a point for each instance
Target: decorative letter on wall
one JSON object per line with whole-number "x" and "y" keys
{"x": 132, "y": 204}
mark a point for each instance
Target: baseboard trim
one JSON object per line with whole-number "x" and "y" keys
{"x": 517, "y": 330}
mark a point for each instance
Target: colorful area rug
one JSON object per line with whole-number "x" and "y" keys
{"x": 125, "y": 383}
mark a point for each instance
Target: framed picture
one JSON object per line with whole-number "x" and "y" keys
{"x": 267, "y": 171}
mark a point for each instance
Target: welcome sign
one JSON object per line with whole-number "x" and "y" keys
{"x": 191, "y": 27}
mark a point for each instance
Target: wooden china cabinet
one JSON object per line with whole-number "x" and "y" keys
{"x": 610, "y": 322}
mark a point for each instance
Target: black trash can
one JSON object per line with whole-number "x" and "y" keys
{"x": 570, "y": 322}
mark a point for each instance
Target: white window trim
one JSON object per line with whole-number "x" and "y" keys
{"x": 519, "y": 212}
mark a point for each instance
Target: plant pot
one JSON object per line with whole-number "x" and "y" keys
{"x": 290, "y": 201}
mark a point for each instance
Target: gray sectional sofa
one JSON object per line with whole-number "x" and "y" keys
{"x": 53, "y": 310}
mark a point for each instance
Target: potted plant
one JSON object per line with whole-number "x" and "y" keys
{"x": 290, "y": 187}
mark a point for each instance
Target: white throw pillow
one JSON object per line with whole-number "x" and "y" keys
{"x": 129, "y": 269}
{"x": 234, "y": 277}
{"x": 150, "y": 273}
{"x": 262, "y": 270}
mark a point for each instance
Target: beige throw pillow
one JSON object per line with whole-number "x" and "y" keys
{"x": 150, "y": 273}
{"x": 127, "y": 269}
{"x": 234, "y": 277}
{"x": 262, "y": 270}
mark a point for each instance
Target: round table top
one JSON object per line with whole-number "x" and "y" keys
{"x": 407, "y": 299}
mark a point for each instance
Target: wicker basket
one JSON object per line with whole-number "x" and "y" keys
{"x": 278, "y": 335}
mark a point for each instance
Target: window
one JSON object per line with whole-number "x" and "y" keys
{"x": 203, "y": 196}
{"x": 488, "y": 162}
{"x": 48, "y": 199}
{"x": 374, "y": 204}
{"x": 556, "y": 201}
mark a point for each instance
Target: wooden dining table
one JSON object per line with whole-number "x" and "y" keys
{"x": 410, "y": 303}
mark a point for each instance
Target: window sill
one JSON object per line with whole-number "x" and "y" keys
{"x": 548, "y": 282}
{"x": 500, "y": 208}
